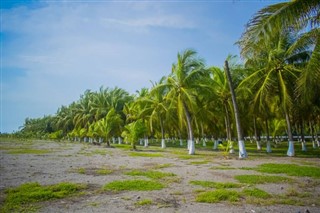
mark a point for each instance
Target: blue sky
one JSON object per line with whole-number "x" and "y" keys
{"x": 52, "y": 51}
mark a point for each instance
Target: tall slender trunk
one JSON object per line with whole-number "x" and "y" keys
{"x": 268, "y": 137}
{"x": 242, "y": 149}
{"x": 227, "y": 121}
{"x": 290, "y": 151}
{"x": 303, "y": 142}
{"x": 190, "y": 133}
{"x": 163, "y": 142}
{"x": 312, "y": 135}
{"x": 256, "y": 134}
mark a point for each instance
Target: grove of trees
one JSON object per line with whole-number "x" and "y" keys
{"x": 276, "y": 87}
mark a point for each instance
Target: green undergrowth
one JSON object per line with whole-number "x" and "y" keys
{"x": 218, "y": 196}
{"x": 144, "y": 154}
{"x": 29, "y": 151}
{"x": 150, "y": 174}
{"x": 260, "y": 179}
{"x": 217, "y": 185}
{"x": 290, "y": 169}
{"x": 143, "y": 202}
{"x": 256, "y": 193}
{"x": 93, "y": 171}
{"x": 25, "y": 197}
{"x": 199, "y": 162}
{"x": 133, "y": 185}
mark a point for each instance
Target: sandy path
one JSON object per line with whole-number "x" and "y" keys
{"x": 61, "y": 163}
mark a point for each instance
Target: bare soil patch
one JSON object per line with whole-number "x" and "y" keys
{"x": 62, "y": 160}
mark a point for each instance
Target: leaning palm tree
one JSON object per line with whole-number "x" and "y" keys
{"x": 183, "y": 85}
{"x": 242, "y": 149}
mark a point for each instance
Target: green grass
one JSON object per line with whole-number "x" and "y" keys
{"x": 260, "y": 179}
{"x": 29, "y": 151}
{"x": 218, "y": 196}
{"x": 100, "y": 152}
{"x": 256, "y": 193}
{"x": 143, "y": 202}
{"x": 222, "y": 168}
{"x": 81, "y": 170}
{"x": 150, "y": 174}
{"x": 23, "y": 198}
{"x": 133, "y": 185}
{"x": 144, "y": 154}
{"x": 103, "y": 171}
{"x": 162, "y": 166}
{"x": 217, "y": 185}
{"x": 199, "y": 162}
{"x": 290, "y": 169}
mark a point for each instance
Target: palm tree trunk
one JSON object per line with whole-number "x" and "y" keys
{"x": 290, "y": 151}
{"x": 268, "y": 137}
{"x": 242, "y": 149}
{"x": 312, "y": 135}
{"x": 256, "y": 134}
{"x": 163, "y": 142}
{"x": 227, "y": 121}
{"x": 190, "y": 133}
{"x": 303, "y": 142}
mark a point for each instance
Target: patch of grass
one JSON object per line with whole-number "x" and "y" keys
{"x": 162, "y": 166}
{"x": 257, "y": 193}
{"x": 29, "y": 151}
{"x": 143, "y": 202}
{"x": 104, "y": 171}
{"x": 133, "y": 185}
{"x": 81, "y": 170}
{"x": 144, "y": 154}
{"x": 222, "y": 168}
{"x": 217, "y": 185}
{"x": 199, "y": 162}
{"x": 22, "y": 198}
{"x": 99, "y": 152}
{"x": 150, "y": 174}
{"x": 290, "y": 169}
{"x": 260, "y": 179}
{"x": 218, "y": 196}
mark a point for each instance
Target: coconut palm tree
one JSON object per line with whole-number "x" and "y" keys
{"x": 242, "y": 149}
{"x": 300, "y": 16}
{"x": 181, "y": 84}
{"x": 277, "y": 67}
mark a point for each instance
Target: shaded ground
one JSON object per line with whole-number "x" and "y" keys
{"x": 78, "y": 162}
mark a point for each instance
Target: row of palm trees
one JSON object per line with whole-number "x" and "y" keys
{"x": 276, "y": 91}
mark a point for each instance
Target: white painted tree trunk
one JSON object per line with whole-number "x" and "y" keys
{"x": 242, "y": 150}
{"x": 318, "y": 142}
{"x": 290, "y": 152}
{"x": 215, "y": 145}
{"x": 163, "y": 143}
{"x": 191, "y": 147}
{"x": 269, "y": 147}
{"x": 303, "y": 146}
{"x": 181, "y": 142}
{"x": 100, "y": 140}
{"x": 314, "y": 145}
{"x": 204, "y": 142}
{"x": 231, "y": 149}
{"x": 119, "y": 140}
{"x": 141, "y": 142}
{"x": 188, "y": 144}
{"x": 258, "y": 145}
{"x": 146, "y": 142}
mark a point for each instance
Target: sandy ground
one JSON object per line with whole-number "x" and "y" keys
{"x": 63, "y": 160}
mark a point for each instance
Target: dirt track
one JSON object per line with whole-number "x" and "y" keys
{"x": 63, "y": 161}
